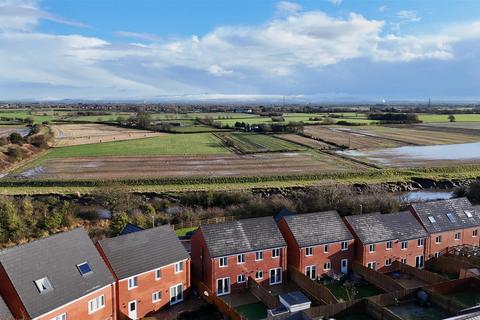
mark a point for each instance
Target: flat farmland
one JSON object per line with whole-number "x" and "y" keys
{"x": 304, "y": 141}
{"x": 142, "y": 167}
{"x": 350, "y": 138}
{"x": 473, "y": 125}
{"x": 426, "y": 118}
{"x": 256, "y": 143}
{"x": 88, "y": 133}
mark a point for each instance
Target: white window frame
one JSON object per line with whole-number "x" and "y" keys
{"x": 158, "y": 274}
{"x": 388, "y": 262}
{"x": 404, "y": 245}
{"x": 261, "y": 275}
{"x": 241, "y": 278}
{"x": 325, "y": 248}
{"x": 133, "y": 284}
{"x": 44, "y": 282}
{"x": 241, "y": 258}
{"x": 257, "y": 254}
{"x": 276, "y": 253}
{"x": 223, "y": 262}
{"x": 438, "y": 239}
{"x": 344, "y": 246}
{"x": 370, "y": 248}
{"x": 159, "y": 295}
{"x": 99, "y": 304}
{"x": 421, "y": 242}
{"x": 62, "y": 316}
{"x": 372, "y": 264}
{"x": 459, "y": 234}
{"x": 178, "y": 267}
{"x": 474, "y": 233}
{"x": 309, "y": 251}
{"x": 170, "y": 291}
{"x": 308, "y": 271}
{"x": 389, "y": 245}
{"x": 327, "y": 265}
{"x": 436, "y": 254}
{"x": 270, "y": 276}
{"x": 403, "y": 260}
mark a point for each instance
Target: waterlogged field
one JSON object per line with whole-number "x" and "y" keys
{"x": 89, "y": 133}
{"x": 7, "y": 130}
{"x": 304, "y": 141}
{"x": 256, "y": 143}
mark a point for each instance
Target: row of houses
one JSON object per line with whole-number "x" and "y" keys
{"x": 66, "y": 276}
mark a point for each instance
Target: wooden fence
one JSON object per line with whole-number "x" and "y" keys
{"x": 262, "y": 294}
{"x": 210, "y": 297}
{"x": 315, "y": 289}
{"x": 379, "y": 280}
{"x": 449, "y": 264}
{"x": 330, "y": 310}
{"x": 423, "y": 275}
{"x": 448, "y": 304}
{"x": 378, "y": 312}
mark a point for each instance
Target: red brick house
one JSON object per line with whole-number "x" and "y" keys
{"x": 381, "y": 239}
{"x": 225, "y": 255}
{"x": 318, "y": 242}
{"x": 57, "y": 278}
{"x": 151, "y": 268}
{"x": 449, "y": 223}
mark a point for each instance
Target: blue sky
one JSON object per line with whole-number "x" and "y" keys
{"x": 311, "y": 51}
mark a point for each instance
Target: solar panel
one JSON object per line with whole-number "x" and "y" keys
{"x": 450, "y": 217}
{"x": 84, "y": 268}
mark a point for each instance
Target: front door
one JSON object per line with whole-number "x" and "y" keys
{"x": 132, "y": 310}
{"x": 344, "y": 266}
{"x": 419, "y": 262}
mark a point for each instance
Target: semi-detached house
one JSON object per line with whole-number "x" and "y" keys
{"x": 381, "y": 239}
{"x": 151, "y": 269}
{"x": 318, "y": 243}
{"x": 57, "y": 278}
{"x": 449, "y": 223}
{"x": 225, "y": 255}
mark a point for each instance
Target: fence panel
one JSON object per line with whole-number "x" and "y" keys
{"x": 424, "y": 275}
{"x": 315, "y": 289}
{"x": 262, "y": 294}
{"x": 379, "y": 280}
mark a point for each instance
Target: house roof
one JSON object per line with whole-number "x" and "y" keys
{"x": 5, "y": 313}
{"x": 316, "y": 228}
{"x": 129, "y": 228}
{"x": 142, "y": 251}
{"x": 242, "y": 236}
{"x": 377, "y": 227}
{"x": 56, "y": 258}
{"x": 435, "y": 214}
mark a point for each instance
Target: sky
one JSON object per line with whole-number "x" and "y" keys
{"x": 240, "y": 50}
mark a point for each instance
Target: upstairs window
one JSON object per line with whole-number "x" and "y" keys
{"x": 179, "y": 266}
{"x": 475, "y": 233}
{"x": 43, "y": 285}
{"x": 275, "y": 253}
{"x": 158, "y": 274}
{"x": 84, "y": 269}
{"x": 404, "y": 245}
{"x": 389, "y": 245}
{"x": 223, "y": 262}
{"x": 96, "y": 304}
{"x": 432, "y": 219}
{"x": 421, "y": 242}
{"x": 457, "y": 236}
{"x": 241, "y": 258}
{"x": 438, "y": 239}
{"x": 132, "y": 283}
{"x": 309, "y": 251}
{"x": 371, "y": 248}
{"x": 344, "y": 245}
{"x": 259, "y": 255}
{"x": 325, "y": 248}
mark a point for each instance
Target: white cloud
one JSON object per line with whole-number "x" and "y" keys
{"x": 408, "y": 15}
{"x": 286, "y": 7}
{"x": 382, "y": 8}
{"x": 216, "y": 70}
{"x": 139, "y": 35}
{"x": 335, "y": 2}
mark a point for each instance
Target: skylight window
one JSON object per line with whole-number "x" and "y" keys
{"x": 432, "y": 219}
{"x": 84, "y": 269}
{"x": 451, "y": 217}
{"x": 468, "y": 213}
{"x": 43, "y": 285}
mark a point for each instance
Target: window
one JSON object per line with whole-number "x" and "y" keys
{"x": 438, "y": 239}
{"x": 241, "y": 258}
{"x": 309, "y": 251}
{"x": 158, "y": 274}
{"x": 404, "y": 245}
{"x": 344, "y": 245}
{"x": 311, "y": 272}
{"x": 275, "y": 253}
{"x": 223, "y": 261}
{"x": 389, "y": 245}
{"x": 241, "y": 278}
{"x": 178, "y": 267}
{"x": 327, "y": 265}
{"x": 371, "y": 248}
{"x": 388, "y": 262}
{"x": 325, "y": 248}
{"x": 457, "y": 236}
{"x": 421, "y": 242}
{"x": 468, "y": 213}
{"x": 475, "y": 233}
{"x": 436, "y": 254}
{"x": 258, "y": 255}
{"x": 259, "y": 275}
{"x": 63, "y": 316}
{"x": 451, "y": 217}
{"x": 432, "y": 219}
{"x": 156, "y": 296}
{"x": 372, "y": 265}
{"x": 275, "y": 276}
{"x": 44, "y": 285}
{"x": 132, "y": 283}
{"x": 223, "y": 286}
{"x": 96, "y": 304}
{"x": 176, "y": 293}
{"x": 84, "y": 269}
{"x": 403, "y": 260}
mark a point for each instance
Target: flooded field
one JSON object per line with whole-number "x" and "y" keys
{"x": 7, "y": 130}
{"x": 419, "y": 156}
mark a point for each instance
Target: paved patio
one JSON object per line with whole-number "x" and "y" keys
{"x": 172, "y": 313}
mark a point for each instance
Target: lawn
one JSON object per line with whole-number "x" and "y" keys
{"x": 444, "y": 117}
{"x": 254, "y": 143}
{"x": 182, "y": 232}
{"x": 253, "y": 311}
{"x": 363, "y": 291}
{"x": 169, "y": 144}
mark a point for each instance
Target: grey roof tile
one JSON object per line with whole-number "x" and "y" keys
{"x": 142, "y": 251}
{"x": 377, "y": 227}
{"x": 439, "y": 210}
{"x": 242, "y": 236}
{"x": 55, "y": 257}
{"x": 311, "y": 229}
{"x": 5, "y": 313}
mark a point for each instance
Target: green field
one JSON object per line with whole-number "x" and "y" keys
{"x": 444, "y": 117}
{"x": 255, "y": 143}
{"x": 296, "y": 117}
{"x": 37, "y": 117}
{"x": 168, "y": 144}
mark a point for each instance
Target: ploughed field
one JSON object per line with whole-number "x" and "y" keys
{"x": 304, "y": 141}
{"x": 257, "y": 143}
{"x": 87, "y": 133}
